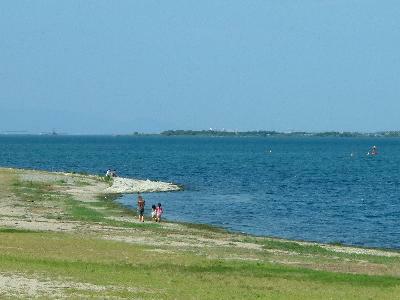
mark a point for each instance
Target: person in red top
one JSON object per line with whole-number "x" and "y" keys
{"x": 141, "y": 204}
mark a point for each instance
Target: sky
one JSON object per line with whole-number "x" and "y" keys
{"x": 104, "y": 67}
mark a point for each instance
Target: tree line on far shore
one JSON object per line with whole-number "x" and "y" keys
{"x": 267, "y": 133}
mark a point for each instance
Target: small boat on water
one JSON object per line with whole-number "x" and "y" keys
{"x": 373, "y": 151}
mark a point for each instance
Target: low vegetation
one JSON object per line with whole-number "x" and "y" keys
{"x": 56, "y": 242}
{"x": 272, "y": 133}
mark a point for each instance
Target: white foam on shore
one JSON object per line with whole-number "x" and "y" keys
{"x": 127, "y": 185}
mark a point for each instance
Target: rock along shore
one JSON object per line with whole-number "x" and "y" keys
{"x": 127, "y": 186}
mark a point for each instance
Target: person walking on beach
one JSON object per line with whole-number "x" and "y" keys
{"x": 141, "y": 204}
{"x": 159, "y": 212}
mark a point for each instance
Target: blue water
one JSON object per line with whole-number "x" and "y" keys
{"x": 305, "y": 189}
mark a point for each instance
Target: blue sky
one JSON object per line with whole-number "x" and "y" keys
{"x": 124, "y": 66}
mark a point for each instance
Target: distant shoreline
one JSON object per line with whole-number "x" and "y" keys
{"x": 264, "y": 133}
{"x": 223, "y": 133}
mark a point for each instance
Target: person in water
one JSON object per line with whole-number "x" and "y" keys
{"x": 141, "y": 204}
{"x": 159, "y": 212}
{"x": 373, "y": 151}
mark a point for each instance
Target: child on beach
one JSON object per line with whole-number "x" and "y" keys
{"x": 154, "y": 212}
{"x": 159, "y": 212}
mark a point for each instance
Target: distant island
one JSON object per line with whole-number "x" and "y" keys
{"x": 226, "y": 133}
{"x": 267, "y": 133}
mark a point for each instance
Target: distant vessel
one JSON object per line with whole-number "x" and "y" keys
{"x": 373, "y": 151}
{"x": 53, "y": 132}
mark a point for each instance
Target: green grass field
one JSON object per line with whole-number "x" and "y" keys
{"x": 176, "y": 274}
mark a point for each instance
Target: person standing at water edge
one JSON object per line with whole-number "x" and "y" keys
{"x": 154, "y": 212}
{"x": 141, "y": 204}
{"x": 159, "y": 212}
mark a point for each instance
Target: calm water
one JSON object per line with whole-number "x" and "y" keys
{"x": 306, "y": 188}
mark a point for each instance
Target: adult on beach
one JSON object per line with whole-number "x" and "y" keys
{"x": 141, "y": 204}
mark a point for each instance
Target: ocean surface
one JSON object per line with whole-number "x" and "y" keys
{"x": 316, "y": 189}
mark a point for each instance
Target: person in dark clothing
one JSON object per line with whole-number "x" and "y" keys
{"x": 140, "y": 204}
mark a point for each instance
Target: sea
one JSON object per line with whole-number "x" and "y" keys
{"x": 301, "y": 188}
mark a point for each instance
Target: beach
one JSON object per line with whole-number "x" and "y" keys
{"x": 62, "y": 235}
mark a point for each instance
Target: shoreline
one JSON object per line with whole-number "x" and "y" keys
{"x": 120, "y": 185}
{"x": 128, "y": 186}
{"x": 223, "y": 134}
{"x": 66, "y": 226}
{"x": 333, "y": 245}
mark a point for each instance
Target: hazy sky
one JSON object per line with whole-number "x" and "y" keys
{"x": 124, "y": 66}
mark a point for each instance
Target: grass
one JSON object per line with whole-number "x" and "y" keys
{"x": 15, "y": 230}
{"x": 204, "y": 227}
{"x": 171, "y": 263}
{"x": 61, "y": 182}
{"x": 107, "y": 179}
{"x": 80, "y": 173}
{"x": 83, "y": 213}
{"x": 82, "y": 183}
{"x": 318, "y": 251}
{"x": 295, "y": 247}
{"x": 32, "y": 191}
{"x": 179, "y": 275}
